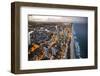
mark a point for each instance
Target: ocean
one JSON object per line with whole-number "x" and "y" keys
{"x": 81, "y": 33}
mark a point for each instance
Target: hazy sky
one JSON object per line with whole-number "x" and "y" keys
{"x": 73, "y": 19}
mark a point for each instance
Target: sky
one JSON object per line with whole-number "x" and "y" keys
{"x": 41, "y": 18}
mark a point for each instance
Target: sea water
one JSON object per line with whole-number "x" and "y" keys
{"x": 81, "y": 37}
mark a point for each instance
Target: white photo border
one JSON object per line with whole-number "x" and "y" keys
{"x": 25, "y": 64}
